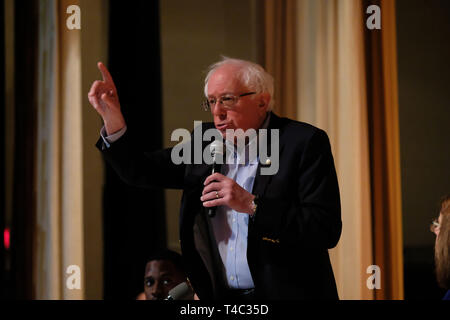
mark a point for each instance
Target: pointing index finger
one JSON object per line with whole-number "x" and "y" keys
{"x": 105, "y": 73}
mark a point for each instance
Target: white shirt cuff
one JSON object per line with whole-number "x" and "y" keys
{"x": 113, "y": 137}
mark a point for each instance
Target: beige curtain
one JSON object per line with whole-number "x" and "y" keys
{"x": 332, "y": 95}
{"x": 59, "y": 242}
{"x": 280, "y": 49}
{"x": 381, "y": 57}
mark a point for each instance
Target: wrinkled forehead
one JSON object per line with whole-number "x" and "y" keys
{"x": 225, "y": 80}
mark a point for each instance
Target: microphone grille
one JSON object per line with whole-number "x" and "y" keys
{"x": 216, "y": 147}
{"x": 182, "y": 292}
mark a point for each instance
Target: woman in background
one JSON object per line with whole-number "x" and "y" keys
{"x": 441, "y": 228}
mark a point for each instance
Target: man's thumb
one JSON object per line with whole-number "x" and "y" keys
{"x": 107, "y": 99}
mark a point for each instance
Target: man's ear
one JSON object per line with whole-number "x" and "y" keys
{"x": 264, "y": 99}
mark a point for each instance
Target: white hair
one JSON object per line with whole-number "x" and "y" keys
{"x": 250, "y": 74}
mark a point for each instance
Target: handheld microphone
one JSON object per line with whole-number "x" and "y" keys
{"x": 216, "y": 149}
{"x": 183, "y": 291}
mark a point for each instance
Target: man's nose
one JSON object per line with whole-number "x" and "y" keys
{"x": 219, "y": 110}
{"x": 157, "y": 291}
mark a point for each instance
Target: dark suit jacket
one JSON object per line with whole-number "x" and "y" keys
{"x": 297, "y": 220}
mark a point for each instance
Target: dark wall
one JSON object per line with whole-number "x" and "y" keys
{"x": 2, "y": 148}
{"x": 25, "y": 118}
{"x": 134, "y": 218}
{"x": 423, "y": 36}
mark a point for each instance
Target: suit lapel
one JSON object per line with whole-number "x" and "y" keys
{"x": 261, "y": 181}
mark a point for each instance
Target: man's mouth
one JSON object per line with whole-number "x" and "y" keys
{"x": 222, "y": 126}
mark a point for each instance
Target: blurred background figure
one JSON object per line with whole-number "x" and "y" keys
{"x": 163, "y": 272}
{"x": 441, "y": 228}
{"x": 141, "y": 296}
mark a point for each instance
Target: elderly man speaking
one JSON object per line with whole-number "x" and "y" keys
{"x": 270, "y": 234}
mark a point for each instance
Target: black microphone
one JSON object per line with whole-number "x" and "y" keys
{"x": 216, "y": 149}
{"x": 183, "y": 291}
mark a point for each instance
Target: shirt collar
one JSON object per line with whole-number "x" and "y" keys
{"x": 237, "y": 154}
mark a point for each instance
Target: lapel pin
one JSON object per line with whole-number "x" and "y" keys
{"x": 268, "y": 162}
{"x": 271, "y": 240}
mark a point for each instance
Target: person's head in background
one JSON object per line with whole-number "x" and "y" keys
{"x": 441, "y": 227}
{"x": 163, "y": 271}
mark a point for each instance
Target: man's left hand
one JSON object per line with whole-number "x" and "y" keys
{"x": 222, "y": 191}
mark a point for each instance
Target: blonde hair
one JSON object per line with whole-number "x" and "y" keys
{"x": 442, "y": 246}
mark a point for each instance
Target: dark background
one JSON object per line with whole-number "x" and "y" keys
{"x": 134, "y": 218}
{"x": 423, "y": 43}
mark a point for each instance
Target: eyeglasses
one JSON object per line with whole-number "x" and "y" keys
{"x": 228, "y": 101}
{"x": 434, "y": 226}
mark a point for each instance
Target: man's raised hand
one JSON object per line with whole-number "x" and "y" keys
{"x": 103, "y": 97}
